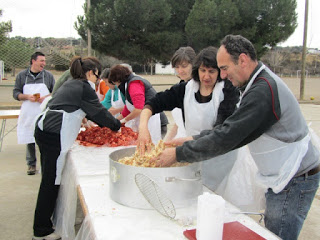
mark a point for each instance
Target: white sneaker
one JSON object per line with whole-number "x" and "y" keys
{"x": 52, "y": 236}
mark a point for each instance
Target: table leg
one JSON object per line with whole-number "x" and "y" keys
{"x": 3, "y": 127}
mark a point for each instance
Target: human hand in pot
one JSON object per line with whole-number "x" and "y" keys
{"x": 166, "y": 158}
{"x": 144, "y": 141}
{"x": 144, "y": 138}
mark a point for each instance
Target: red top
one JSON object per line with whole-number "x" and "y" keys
{"x": 137, "y": 94}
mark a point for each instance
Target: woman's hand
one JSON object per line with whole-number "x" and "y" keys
{"x": 144, "y": 141}
{"x": 114, "y": 111}
{"x": 144, "y": 138}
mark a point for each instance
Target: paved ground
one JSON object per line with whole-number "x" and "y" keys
{"x": 18, "y": 191}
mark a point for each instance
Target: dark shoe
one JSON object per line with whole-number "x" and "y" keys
{"x": 31, "y": 170}
{"x": 52, "y": 236}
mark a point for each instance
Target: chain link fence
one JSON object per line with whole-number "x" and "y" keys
{"x": 15, "y": 52}
{"x": 30, "y": 18}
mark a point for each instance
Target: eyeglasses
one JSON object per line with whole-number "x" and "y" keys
{"x": 96, "y": 76}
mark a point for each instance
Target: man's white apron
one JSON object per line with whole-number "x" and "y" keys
{"x": 276, "y": 160}
{"x": 29, "y": 111}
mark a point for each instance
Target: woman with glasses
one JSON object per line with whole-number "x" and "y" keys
{"x": 56, "y": 130}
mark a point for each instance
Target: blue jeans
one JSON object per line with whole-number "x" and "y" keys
{"x": 287, "y": 210}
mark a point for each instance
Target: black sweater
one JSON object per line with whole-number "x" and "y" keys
{"x": 173, "y": 97}
{"x": 73, "y": 95}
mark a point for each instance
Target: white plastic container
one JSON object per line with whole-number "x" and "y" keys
{"x": 210, "y": 217}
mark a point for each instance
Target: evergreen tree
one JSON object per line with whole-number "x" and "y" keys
{"x": 145, "y": 31}
{"x": 202, "y": 26}
{"x": 133, "y": 30}
{"x": 5, "y": 27}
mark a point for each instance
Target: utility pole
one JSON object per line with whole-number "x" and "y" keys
{"x": 304, "y": 51}
{"x": 89, "y": 31}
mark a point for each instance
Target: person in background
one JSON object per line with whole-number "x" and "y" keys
{"x": 114, "y": 100}
{"x": 206, "y": 101}
{"x": 63, "y": 78}
{"x": 163, "y": 118}
{"x": 101, "y": 89}
{"x": 56, "y": 130}
{"x": 32, "y": 86}
{"x": 270, "y": 121}
{"x": 181, "y": 61}
{"x": 136, "y": 91}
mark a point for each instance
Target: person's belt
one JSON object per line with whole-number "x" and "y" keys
{"x": 313, "y": 171}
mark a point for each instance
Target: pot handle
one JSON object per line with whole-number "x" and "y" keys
{"x": 173, "y": 179}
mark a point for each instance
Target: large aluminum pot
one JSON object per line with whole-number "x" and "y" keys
{"x": 182, "y": 185}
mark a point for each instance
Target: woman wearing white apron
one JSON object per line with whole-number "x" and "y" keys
{"x": 181, "y": 61}
{"x": 117, "y": 104}
{"x": 56, "y": 130}
{"x": 114, "y": 100}
{"x": 202, "y": 101}
{"x": 29, "y": 82}
{"x": 199, "y": 117}
{"x": 136, "y": 90}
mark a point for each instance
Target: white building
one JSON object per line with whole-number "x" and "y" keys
{"x": 164, "y": 69}
{"x": 314, "y": 51}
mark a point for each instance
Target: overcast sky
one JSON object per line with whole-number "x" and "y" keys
{"x": 55, "y": 18}
{"x": 44, "y": 18}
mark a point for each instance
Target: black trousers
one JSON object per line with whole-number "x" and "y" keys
{"x": 49, "y": 146}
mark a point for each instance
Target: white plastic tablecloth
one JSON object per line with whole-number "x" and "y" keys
{"x": 88, "y": 168}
